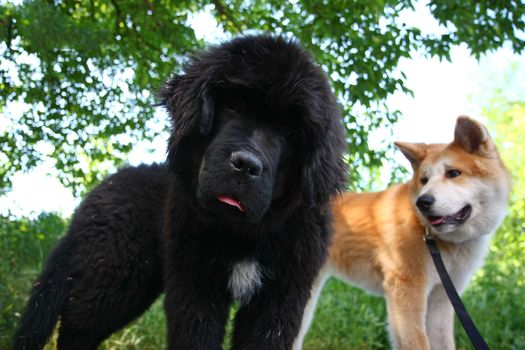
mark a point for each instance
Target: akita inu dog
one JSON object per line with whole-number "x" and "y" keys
{"x": 459, "y": 191}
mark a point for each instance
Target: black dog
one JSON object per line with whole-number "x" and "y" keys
{"x": 107, "y": 269}
{"x": 254, "y": 156}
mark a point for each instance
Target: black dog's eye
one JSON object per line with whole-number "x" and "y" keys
{"x": 287, "y": 134}
{"x": 451, "y": 173}
{"x": 236, "y": 107}
{"x": 423, "y": 180}
{"x": 233, "y": 104}
{"x": 229, "y": 113}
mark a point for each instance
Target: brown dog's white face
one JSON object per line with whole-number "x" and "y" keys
{"x": 460, "y": 190}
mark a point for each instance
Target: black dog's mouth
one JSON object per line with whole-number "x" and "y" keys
{"x": 457, "y": 219}
{"x": 231, "y": 202}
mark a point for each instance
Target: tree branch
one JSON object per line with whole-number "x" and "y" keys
{"x": 149, "y": 4}
{"x": 224, "y": 11}
{"x": 9, "y": 38}
{"x": 118, "y": 14}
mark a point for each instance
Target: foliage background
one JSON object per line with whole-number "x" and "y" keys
{"x": 84, "y": 73}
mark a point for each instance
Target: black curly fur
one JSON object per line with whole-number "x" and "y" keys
{"x": 106, "y": 270}
{"x": 271, "y": 83}
{"x": 262, "y": 97}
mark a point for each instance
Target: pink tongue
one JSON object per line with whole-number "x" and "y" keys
{"x": 436, "y": 221}
{"x": 230, "y": 201}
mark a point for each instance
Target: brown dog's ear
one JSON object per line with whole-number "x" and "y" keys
{"x": 473, "y": 137}
{"x": 414, "y": 152}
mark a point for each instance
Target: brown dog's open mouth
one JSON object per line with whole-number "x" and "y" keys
{"x": 456, "y": 219}
{"x": 231, "y": 201}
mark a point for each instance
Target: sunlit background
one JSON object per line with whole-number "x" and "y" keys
{"x": 442, "y": 91}
{"x": 491, "y": 89}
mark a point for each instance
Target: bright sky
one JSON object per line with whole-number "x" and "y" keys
{"x": 442, "y": 91}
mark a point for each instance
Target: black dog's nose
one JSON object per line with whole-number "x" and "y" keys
{"x": 424, "y": 202}
{"x": 247, "y": 162}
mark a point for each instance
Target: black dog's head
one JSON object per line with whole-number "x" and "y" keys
{"x": 256, "y": 129}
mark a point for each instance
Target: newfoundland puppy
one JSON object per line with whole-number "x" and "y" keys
{"x": 254, "y": 156}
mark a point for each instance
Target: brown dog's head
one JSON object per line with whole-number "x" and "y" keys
{"x": 460, "y": 190}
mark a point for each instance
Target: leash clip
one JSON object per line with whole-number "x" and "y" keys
{"x": 427, "y": 235}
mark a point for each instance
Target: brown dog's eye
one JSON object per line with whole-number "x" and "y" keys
{"x": 423, "y": 180}
{"x": 452, "y": 173}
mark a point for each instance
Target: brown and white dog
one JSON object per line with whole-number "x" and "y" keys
{"x": 459, "y": 191}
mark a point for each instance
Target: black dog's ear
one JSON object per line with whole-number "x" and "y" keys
{"x": 190, "y": 102}
{"x": 325, "y": 173}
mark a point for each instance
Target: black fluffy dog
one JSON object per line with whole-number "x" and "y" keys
{"x": 254, "y": 156}
{"x": 107, "y": 269}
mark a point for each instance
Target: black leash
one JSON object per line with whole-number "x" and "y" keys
{"x": 465, "y": 319}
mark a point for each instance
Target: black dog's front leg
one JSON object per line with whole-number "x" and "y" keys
{"x": 196, "y": 302}
{"x": 272, "y": 319}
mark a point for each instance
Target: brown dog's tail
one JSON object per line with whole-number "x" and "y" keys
{"x": 47, "y": 300}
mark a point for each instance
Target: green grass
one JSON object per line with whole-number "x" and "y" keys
{"x": 346, "y": 318}
{"x": 24, "y": 244}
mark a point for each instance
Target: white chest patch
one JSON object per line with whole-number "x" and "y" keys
{"x": 245, "y": 278}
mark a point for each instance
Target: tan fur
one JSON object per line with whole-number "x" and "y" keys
{"x": 378, "y": 237}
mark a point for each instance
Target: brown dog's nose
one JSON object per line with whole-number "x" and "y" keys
{"x": 424, "y": 202}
